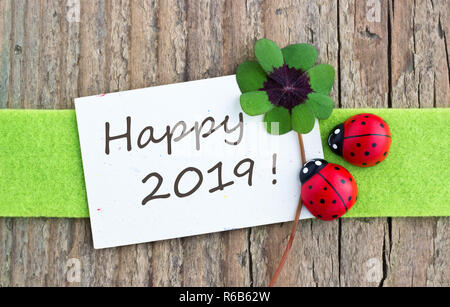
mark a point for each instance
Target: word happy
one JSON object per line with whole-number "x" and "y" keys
{"x": 175, "y": 134}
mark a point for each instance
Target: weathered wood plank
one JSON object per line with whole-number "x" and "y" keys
{"x": 144, "y": 43}
{"x": 242, "y": 26}
{"x": 79, "y": 250}
{"x": 438, "y": 272}
{"x": 93, "y": 36}
{"x": 31, "y": 57}
{"x": 6, "y": 238}
{"x": 70, "y": 55}
{"x": 363, "y": 252}
{"x": 172, "y": 42}
{"x": 17, "y": 35}
{"x": 59, "y": 236}
{"x": 420, "y": 67}
{"x": 419, "y": 253}
{"x": 363, "y": 53}
{"x": 50, "y": 68}
{"x": 5, "y": 48}
{"x": 204, "y": 39}
{"x": 18, "y": 253}
{"x": 118, "y": 44}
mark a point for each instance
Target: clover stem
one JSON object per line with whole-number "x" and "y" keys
{"x": 294, "y": 227}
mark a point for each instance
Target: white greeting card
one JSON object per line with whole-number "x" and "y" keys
{"x": 183, "y": 159}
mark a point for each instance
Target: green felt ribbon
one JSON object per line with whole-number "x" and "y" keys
{"x": 41, "y": 173}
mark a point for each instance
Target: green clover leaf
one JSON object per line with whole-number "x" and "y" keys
{"x": 278, "y": 121}
{"x": 321, "y": 78}
{"x": 269, "y": 55}
{"x": 250, "y": 76}
{"x": 322, "y": 105}
{"x": 305, "y": 61}
{"x": 286, "y": 87}
{"x": 256, "y": 103}
{"x": 303, "y": 118}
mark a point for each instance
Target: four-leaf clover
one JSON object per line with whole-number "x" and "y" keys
{"x": 285, "y": 86}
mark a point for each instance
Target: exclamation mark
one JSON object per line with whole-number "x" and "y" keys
{"x": 274, "y": 167}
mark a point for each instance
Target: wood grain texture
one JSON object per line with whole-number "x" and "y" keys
{"x": 420, "y": 73}
{"x": 387, "y": 53}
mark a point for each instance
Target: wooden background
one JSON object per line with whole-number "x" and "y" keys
{"x": 387, "y": 53}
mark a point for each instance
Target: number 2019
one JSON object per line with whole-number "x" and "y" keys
{"x": 242, "y": 169}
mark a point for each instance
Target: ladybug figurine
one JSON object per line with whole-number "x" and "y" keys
{"x": 362, "y": 140}
{"x": 328, "y": 190}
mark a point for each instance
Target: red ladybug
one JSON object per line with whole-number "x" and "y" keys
{"x": 362, "y": 140}
{"x": 328, "y": 190}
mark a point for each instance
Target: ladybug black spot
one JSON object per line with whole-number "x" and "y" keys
{"x": 322, "y": 201}
{"x": 363, "y": 123}
{"x": 325, "y": 188}
{"x": 352, "y": 154}
{"x": 358, "y": 144}
{"x": 334, "y": 201}
{"x": 374, "y": 145}
{"x": 349, "y": 198}
{"x": 364, "y": 163}
{"x": 319, "y": 216}
{"x": 381, "y": 125}
{"x": 367, "y": 153}
{"x": 350, "y": 179}
{"x": 385, "y": 154}
{"x": 334, "y": 216}
{"x": 366, "y": 116}
{"x": 310, "y": 202}
{"x": 377, "y": 162}
{"x": 342, "y": 181}
{"x": 310, "y": 187}
{"x": 337, "y": 168}
{"x": 353, "y": 121}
